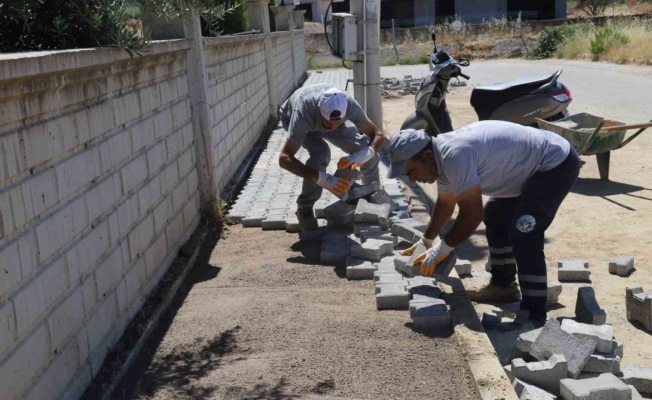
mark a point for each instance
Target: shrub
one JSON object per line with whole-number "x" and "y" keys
{"x": 604, "y": 39}
{"x": 549, "y": 40}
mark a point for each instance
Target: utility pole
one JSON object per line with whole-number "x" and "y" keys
{"x": 366, "y": 71}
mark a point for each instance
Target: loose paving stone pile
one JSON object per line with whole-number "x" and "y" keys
{"x": 544, "y": 374}
{"x": 638, "y": 377}
{"x": 525, "y": 391}
{"x": 603, "y": 387}
{"x": 639, "y": 306}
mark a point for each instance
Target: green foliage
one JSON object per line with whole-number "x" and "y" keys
{"x": 549, "y": 40}
{"x": 604, "y": 39}
{"x": 64, "y": 24}
{"x": 211, "y": 11}
{"x": 237, "y": 21}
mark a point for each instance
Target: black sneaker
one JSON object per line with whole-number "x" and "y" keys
{"x": 307, "y": 220}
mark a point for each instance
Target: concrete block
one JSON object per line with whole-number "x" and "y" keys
{"x": 364, "y": 227}
{"x": 253, "y": 221}
{"x": 23, "y": 364}
{"x": 372, "y": 249}
{"x": 402, "y": 264}
{"x": 544, "y": 374}
{"x": 603, "y": 387}
{"x": 379, "y": 235}
{"x": 584, "y": 263}
{"x": 635, "y": 394}
{"x": 606, "y": 362}
{"x": 525, "y": 391}
{"x": 421, "y": 281}
{"x": 381, "y": 197}
{"x": 397, "y": 216}
{"x": 554, "y": 291}
{"x": 340, "y": 212}
{"x": 622, "y": 265}
{"x": 372, "y": 213}
{"x": 389, "y": 279}
{"x": 424, "y": 292}
{"x": 553, "y": 340}
{"x": 573, "y": 271}
{"x": 406, "y": 231}
{"x": 639, "y": 377}
{"x": 587, "y": 309}
{"x": 273, "y": 223}
{"x": 431, "y": 318}
{"x": 292, "y": 225}
{"x": 430, "y": 302}
{"x": 393, "y": 297}
{"x": 525, "y": 340}
{"x": 603, "y": 335}
{"x": 359, "y": 191}
{"x": 359, "y": 269}
{"x": 463, "y": 267}
{"x": 639, "y": 306}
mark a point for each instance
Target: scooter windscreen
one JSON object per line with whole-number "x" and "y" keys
{"x": 439, "y": 61}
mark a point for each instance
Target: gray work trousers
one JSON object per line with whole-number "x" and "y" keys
{"x": 347, "y": 138}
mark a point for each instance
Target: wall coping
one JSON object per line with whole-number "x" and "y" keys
{"x": 29, "y": 63}
{"x": 222, "y": 40}
{"x": 282, "y": 33}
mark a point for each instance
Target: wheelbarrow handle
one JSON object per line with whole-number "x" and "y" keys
{"x": 621, "y": 127}
{"x": 591, "y": 138}
{"x": 629, "y": 139}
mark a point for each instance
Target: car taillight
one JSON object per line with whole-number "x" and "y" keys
{"x": 562, "y": 96}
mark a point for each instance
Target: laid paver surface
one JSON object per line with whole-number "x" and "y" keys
{"x": 259, "y": 321}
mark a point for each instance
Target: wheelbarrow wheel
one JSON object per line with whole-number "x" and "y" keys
{"x": 603, "y": 164}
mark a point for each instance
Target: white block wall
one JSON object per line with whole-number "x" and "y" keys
{"x": 238, "y": 97}
{"x": 300, "y": 59}
{"x": 283, "y": 67}
{"x": 99, "y": 189}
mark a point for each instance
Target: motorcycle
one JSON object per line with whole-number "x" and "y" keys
{"x": 519, "y": 101}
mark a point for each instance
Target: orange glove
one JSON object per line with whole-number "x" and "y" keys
{"x": 432, "y": 257}
{"x": 426, "y": 242}
{"x": 357, "y": 159}
{"x": 337, "y": 186}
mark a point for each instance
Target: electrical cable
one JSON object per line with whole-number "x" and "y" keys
{"x": 325, "y": 31}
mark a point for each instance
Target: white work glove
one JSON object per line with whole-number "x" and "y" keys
{"x": 335, "y": 185}
{"x": 433, "y": 256}
{"x": 426, "y": 242}
{"x": 357, "y": 159}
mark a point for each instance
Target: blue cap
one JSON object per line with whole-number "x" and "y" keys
{"x": 403, "y": 146}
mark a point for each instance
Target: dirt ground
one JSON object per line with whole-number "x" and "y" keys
{"x": 257, "y": 320}
{"x": 597, "y": 221}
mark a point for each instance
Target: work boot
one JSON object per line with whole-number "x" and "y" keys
{"x": 307, "y": 220}
{"x": 528, "y": 317}
{"x": 493, "y": 292}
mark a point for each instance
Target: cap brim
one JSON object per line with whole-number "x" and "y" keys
{"x": 396, "y": 169}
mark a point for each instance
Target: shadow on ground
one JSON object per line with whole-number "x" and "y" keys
{"x": 604, "y": 189}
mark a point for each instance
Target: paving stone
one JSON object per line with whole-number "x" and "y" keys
{"x": 379, "y": 235}
{"x": 389, "y": 279}
{"x": 340, "y": 213}
{"x": 253, "y": 221}
{"x": 622, "y": 265}
{"x": 430, "y": 302}
{"x": 543, "y": 374}
{"x": 639, "y": 306}
{"x": 445, "y": 267}
{"x": 525, "y": 391}
{"x": 554, "y": 291}
{"x": 360, "y": 228}
{"x": 573, "y": 271}
{"x": 584, "y": 263}
{"x": 292, "y": 225}
{"x": 349, "y": 174}
{"x": 273, "y": 223}
{"x": 359, "y": 191}
{"x": 603, "y": 362}
{"x": 359, "y": 269}
{"x": 421, "y": 281}
{"x": 603, "y": 387}
{"x": 372, "y": 249}
{"x": 603, "y": 335}
{"x": 409, "y": 229}
{"x": 525, "y": 340}
{"x": 635, "y": 394}
{"x": 431, "y": 319}
{"x": 372, "y": 213}
{"x": 587, "y": 309}
{"x": 463, "y": 267}
{"x": 382, "y": 197}
{"x": 318, "y": 210}
{"x": 553, "y": 340}
{"x": 397, "y": 216}
{"x": 392, "y": 297}
{"x": 639, "y": 377}
{"x": 400, "y": 262}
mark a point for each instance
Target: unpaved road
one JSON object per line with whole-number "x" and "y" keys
{"x": 256, "y": 320}
{"x": 598, "y": 220}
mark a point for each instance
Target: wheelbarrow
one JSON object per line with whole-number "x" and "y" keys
{"x": 593, "y": 135}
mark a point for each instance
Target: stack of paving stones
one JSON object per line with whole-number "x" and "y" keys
{"x": 575, "y": 358}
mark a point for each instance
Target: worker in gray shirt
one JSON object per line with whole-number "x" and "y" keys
{"x": 526, "y": 172}
{"x": 313, "y": 115}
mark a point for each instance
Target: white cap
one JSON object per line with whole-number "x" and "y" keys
{"x": 333, "y": 104}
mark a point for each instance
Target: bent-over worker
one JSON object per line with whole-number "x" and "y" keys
{"x": 313, "y": 115}
{"x": 526, "y": 172}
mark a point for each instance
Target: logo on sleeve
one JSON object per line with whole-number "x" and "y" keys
{"x": 526, "y": 223}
